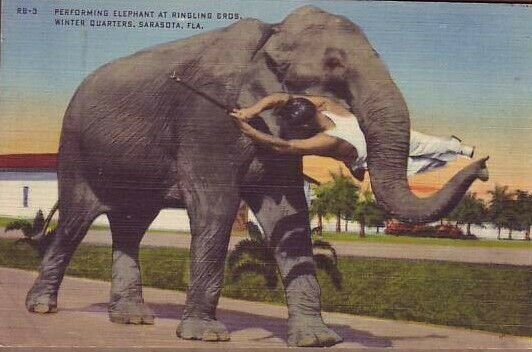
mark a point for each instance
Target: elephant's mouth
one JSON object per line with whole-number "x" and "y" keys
{"x": 335, "y": 90}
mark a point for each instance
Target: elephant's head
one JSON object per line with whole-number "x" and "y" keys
{"x": 315, "y": 52}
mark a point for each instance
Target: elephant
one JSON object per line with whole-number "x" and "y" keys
{"x": 134, "y": 141}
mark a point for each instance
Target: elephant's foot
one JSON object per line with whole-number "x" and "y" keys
{"x": 41, "y": 303}
{"x": 202, "y": 329}
{"x": 310, "y": 332}
{"x": 130, "y": 312}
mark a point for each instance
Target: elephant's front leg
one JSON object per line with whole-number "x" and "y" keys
{"x": 212, "y": 211}
{"x": 127, "y": 304}
{"x": 283, "y": 215}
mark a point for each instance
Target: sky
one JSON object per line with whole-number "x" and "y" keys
{"x": 464, "y": 69}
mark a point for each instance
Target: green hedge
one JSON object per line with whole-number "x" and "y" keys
{"x": 485, "y": 297}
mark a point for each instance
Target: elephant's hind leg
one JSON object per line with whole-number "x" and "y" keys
{"x": 75, "y": 217}
{"x": 127, "y": 304}
{"x": 212, "y": 211}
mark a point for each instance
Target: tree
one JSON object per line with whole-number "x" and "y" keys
{"x": 470, "y": 211}
{"x": 343, "y": 193}
{"x": 512, "y": 216}
{"x": 498, "y": 207}
{"x": 378, "y": 217}
{"x": 524, "y": 209}
{"x": 320, "y": 205}
{"x": 367, "y": 212}
{"x": 253, "y": 255}
{"x": 30, "y": 231}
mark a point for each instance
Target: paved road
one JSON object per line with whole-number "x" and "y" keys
{"x": 82, "y": 322}
{"x": 509, "y": 256}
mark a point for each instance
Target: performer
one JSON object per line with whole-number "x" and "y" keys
{"x": 324, "y": 127}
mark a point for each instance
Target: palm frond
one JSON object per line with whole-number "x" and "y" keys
{"x": 320, "y": 244}
{"x": 23, "y": 225}
{"x": 326, "y": 264}
{"x": 252, "y": 248}
{"x": 254, "y": 231}
{"x": 269, "y": 272}
{"x": 316, "y": 231}
{"x": 38, "y": 222}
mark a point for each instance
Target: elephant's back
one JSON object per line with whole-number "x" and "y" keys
{"x": 128, "y": 119}
{"x": 119, "y": 126}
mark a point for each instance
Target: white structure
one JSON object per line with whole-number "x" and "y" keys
{"x": 22, "y": 194}
{"x": 29, "y": 183}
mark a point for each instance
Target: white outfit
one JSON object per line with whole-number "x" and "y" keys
{"x": 426, "y": 152}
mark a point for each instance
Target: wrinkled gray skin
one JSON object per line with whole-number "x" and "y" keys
{"x": 134, "y": 142}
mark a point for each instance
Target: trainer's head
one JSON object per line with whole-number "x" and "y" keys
{"x": 297, "y": 119}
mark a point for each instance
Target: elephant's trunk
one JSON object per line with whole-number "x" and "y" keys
{"x": 384, "y": 118}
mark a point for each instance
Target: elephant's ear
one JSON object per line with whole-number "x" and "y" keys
{"x": 225, "y": 58}
{"x": 277, "y": 51}
{"x": 286, "y": 37}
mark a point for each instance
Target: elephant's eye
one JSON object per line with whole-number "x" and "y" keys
{"x": 333, "y": 62}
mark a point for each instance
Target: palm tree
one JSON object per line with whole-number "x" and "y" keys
{"x": 367, "y": 212}
{"x": 524, "y": 207}
{"x": 327, "y": 263}
{"x": 512, "y": 216}
{"x": 470, "y": 211}
{"x": 253, "y": 255}
{"x": 343, "y": 193}
{"x": 498, "y": 207}
{"x": 31, "y": 231}
{"x": 321, "y": 204}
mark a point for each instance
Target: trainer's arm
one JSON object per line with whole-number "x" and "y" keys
{"x": 320, "y": 144}
{"x": 269, "y": 102}
{"x": 327, "y": 104}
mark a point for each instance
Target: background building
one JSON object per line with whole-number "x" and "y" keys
{"x": 28, "y": 182}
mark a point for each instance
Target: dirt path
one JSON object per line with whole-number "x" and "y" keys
{"x": 82, "y": 322}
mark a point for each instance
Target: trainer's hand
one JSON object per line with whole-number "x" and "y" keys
{"x": 242, "y": 124}
{"x": 244, "y": 114}
{"x": 239, "y": 121}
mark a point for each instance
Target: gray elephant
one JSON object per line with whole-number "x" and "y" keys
{"x": 134, "y": 141}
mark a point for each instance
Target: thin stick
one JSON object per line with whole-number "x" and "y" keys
{"x": 202, "y": 94}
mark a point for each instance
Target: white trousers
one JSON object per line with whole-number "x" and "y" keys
{"x": 430, "y": 152}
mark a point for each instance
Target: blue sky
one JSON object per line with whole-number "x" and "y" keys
{"x": 463, "y": 68}
{"x": 450, "y": 54}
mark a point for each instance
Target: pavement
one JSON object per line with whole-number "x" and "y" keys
{"x": 82, "y": 323}
{"x": 508, "y": 256}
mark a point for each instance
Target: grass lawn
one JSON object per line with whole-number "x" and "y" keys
{"x": 485, "y": 297}
{"x": 6, "y": 220}
{"x": 388, "y": 239}
{"x": 354, "y": 237}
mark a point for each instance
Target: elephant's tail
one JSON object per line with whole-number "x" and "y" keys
{"x": 41, "y": 234}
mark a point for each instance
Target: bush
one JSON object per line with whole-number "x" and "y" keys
{"x": 439, "y": 231}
